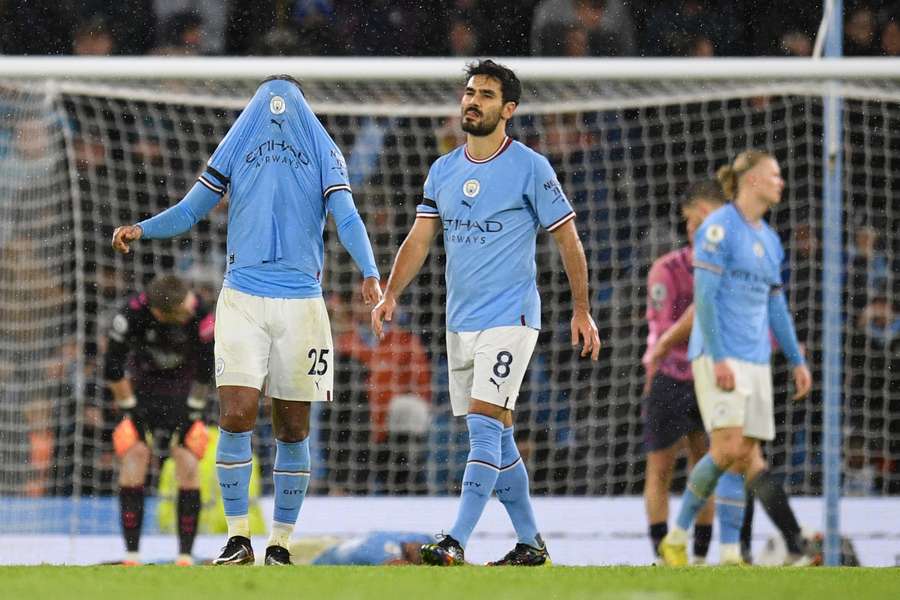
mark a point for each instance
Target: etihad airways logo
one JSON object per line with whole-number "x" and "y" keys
{"x": 277, "y": 152}
{"x": 470, "y": 231}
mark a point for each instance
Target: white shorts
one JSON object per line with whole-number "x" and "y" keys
{"x": 280, "y": 345}
{"x": 488, "y": 365}
{"x": 748, "y": 406}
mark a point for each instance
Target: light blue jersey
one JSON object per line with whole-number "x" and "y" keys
{"x": 377, "y": 548}
{"x": 285, "y": 175}
{"x": 748, "y": 258}
{"x": 283, "y": 170}
{"x": 491, "y": 210}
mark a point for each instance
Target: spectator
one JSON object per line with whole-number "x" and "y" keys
{"x": 868, "y": 265}
{"x": 314, "y": 21}
{"x": 859, "y": 38}
{"x": 463, "y": 38}
{"x": 397, "y": 364}
{"x": 796, "y": 43}
{"x": 608, "y": 22}
{"x": 212, "y": 17}
{"x": 890, "y": 31}
{"x": 181, "y": 35}
{"x": 92, "y": 38}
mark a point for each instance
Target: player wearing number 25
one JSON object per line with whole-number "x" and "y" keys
{"x": 489, "y": 197}
{"x": 285, "y": 174}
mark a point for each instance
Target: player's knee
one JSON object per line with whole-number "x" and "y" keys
{"x": 137, "y": 454}
{"x": 291, "y": 436}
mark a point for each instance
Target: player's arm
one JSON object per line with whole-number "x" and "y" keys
{"x": 173, "y": 221}
{"x": 678, "y": 333}
{"x": 114, "y": 362}
{"x": 409, "y": 260}
{"x": 575, "y": 264}
{"x": 353, "y": 237}
{"x": 782, "y": 325}
{"x": 706, "y": 287}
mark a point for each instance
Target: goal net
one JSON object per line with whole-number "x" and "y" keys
{"x": 79, "y": 157}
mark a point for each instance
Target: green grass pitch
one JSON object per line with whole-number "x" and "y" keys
{"x": 430, "y": 583}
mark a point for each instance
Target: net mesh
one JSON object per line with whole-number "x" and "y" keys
{"x": 78, "y": 158}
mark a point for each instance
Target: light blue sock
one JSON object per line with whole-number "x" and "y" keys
{"x": 730, "y": 507}
{"x": 234, "y": 462}
{"x": 700, "y": 485}
{"x": 480, "y": 474}
{"x": 512, "y": 490}
{"x": 291, "y": 475}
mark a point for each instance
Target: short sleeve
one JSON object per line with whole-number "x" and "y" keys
{"x": 427, "y": 208}
{"x": 660, "y": 293}
{"x": 547, "y": 198}
{"x": 711, "y": 246}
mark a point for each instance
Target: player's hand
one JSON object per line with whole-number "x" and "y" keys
{"x": 659, "y": 353}
{"x": 383, "y": 311}
{"x": 802, "y": 381}
{"x": 724, "y": 376}
{"x": 584, "y": 328}
{"x": 371, "y": 291}
{"x": 124, "y": 235}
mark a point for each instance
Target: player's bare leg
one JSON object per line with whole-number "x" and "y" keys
{"x": 290, "y": 422}
{"x": 238, "y": 407}
{"x": 132, "y": 474}
{"x": 697, "y": 444}
{"x": 188, "y": 502}
{"x": 727, "y": 447}
{"x": 657, "y": 481}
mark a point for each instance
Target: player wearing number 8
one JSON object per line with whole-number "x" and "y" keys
{"x": 489, "y": 197}
{"x": 285, "y": 174}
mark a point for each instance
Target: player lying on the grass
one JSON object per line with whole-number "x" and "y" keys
{"x": 286, "y": 175}
{"x": 375, "y": 548}
{"x": 489, "y": 197}
{"x": 159, "y": 365}
{"x": 738, "y": 299}
{"x": 671, "y": 416}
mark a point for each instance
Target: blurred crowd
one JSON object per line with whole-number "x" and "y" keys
{"x": 701, "y": 28}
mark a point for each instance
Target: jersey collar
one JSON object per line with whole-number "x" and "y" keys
{"x": 503, "y": 146}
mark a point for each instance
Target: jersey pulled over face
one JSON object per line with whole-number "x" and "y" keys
{"x": 749, "y": 258}
{"x": 491, "y": 210}
{"x": 280, "y": 165}
{"x": 162, "y": 359}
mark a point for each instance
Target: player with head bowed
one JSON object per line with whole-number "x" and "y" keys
{"x": 284, "y": 175}
{"x": 671, "y": 416}
{"x": 738, "y": 299}
{"x": 489, "y": 197}
{"x": 159, "y": 365}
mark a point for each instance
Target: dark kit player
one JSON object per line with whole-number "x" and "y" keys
{"x": 159, "y": 365}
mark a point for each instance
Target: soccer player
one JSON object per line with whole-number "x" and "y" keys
{"x": 285, "y": 174}
{"x": 671, "y": 415}
{"x": 375, "y": 548}
{"x": 167, "y": 333}
{"x": 738, "y": 299}
{"x": 489, "y": 197}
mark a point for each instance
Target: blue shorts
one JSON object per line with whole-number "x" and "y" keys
{"x": 670, "y": 412}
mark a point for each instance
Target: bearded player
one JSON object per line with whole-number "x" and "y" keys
{"x": 490, "y": 197}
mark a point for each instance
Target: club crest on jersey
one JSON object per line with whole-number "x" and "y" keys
{"x": 758, "y": 250}
{"x": 471, "y": 188}
{"x": 276, "y": 105}
{"x": 715, "y": 234}
{"x": 220, "y": 366}
{"x": 658, "y": 293}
